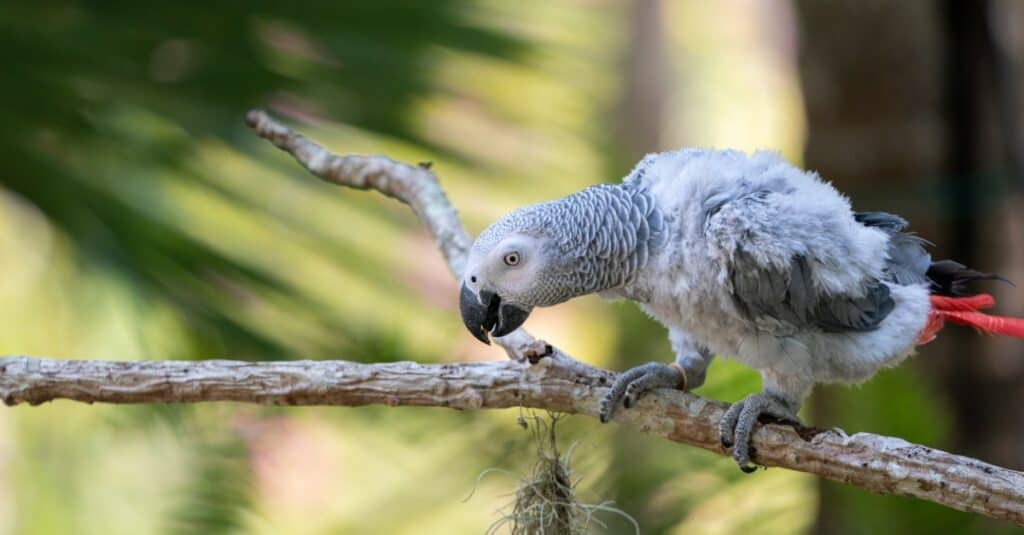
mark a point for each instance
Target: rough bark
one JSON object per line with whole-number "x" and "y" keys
{"x": 539, "y": 376}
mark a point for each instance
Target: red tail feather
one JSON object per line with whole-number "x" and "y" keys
{"x": 964, "y": 311}
{"x": 963, "y": 304}
{"x": 988, "y": 324}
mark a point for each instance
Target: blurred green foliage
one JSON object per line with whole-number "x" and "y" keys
{"x": 108, "y": 100}
{"x": 139, "y": 219}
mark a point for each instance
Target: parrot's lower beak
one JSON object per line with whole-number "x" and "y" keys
{"x": 485, "y": 313}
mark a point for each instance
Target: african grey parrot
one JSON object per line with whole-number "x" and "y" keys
{"x": 737, "y": 255}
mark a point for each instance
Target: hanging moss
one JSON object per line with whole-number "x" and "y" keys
{"x": 545, "y": 498}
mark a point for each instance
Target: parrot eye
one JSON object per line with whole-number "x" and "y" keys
{"x": 512, "y": 259}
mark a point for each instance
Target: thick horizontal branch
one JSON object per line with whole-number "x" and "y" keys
{"x": 880, "y": 464}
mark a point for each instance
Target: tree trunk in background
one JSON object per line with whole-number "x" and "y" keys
{"x": 638, "y": 131}
{"x": 643, "y": 101}
{"x": 968, "y": 61}
{"x": 873, "y": 112}
{"x": 904, "y": 116}
{"x": 984, "y": 147}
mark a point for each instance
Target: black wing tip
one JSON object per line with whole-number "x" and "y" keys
{"x": 949, "y": 277}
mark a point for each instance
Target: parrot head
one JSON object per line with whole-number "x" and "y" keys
{"x": 545, "y": 254}
{"x": 512, "y": 267}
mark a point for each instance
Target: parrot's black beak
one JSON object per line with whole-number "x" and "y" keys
{"x": 485, "y": 313}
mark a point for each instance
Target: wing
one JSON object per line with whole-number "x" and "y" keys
{"x": 798, "y": 256}
{"x": 789, "y": 295}
{"x": 792, "y": 252}
{"x": 907, "y": 261}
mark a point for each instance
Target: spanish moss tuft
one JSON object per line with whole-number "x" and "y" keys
{"x": 545, "y": 500}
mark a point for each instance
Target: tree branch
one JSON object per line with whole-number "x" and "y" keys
{"x": 880, "y": 464}
{"x": 539, "y": 376}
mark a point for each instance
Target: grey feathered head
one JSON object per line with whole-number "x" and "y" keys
{"x": 548, "y": 253}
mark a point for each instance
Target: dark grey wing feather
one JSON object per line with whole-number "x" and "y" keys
{"x": 844, "y": 313}
{"x": 883, "y": 220}
{"x": 788, "y": 295}
{"x": 908, "y": 260}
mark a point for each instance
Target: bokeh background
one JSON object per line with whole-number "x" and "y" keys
{"x": 140, "y": 219}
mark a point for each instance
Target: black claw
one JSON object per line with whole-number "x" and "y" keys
{"x": 748, "y": 468}
{"x": 627, "y": 402}
{"x": 726, "y": 443}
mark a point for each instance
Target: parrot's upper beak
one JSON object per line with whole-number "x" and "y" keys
{"x": 485, "y": 313}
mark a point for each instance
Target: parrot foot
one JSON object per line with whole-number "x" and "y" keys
{"x": 737, "y": 426}
{"x": 633, "y": 383}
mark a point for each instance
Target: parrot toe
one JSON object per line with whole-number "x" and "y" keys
{"x": 633, "y": 383}
{"x": 737, "y": 425}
